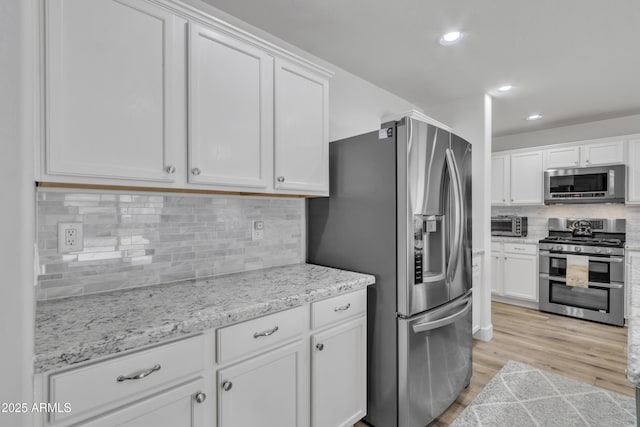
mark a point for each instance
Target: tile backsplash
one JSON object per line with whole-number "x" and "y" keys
{"x": 133, "y": 240}
{"x": 538, "y": 215}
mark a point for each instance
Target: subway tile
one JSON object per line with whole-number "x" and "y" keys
{"x": 143, "y": 239}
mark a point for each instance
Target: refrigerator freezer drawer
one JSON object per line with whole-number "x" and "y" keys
{"x": 434, "y": 361}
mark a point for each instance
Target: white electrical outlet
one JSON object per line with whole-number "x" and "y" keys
{"x": 257, "y": 230}
{"x": 70, "y": 237}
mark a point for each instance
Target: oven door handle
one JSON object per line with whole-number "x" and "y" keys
{"x": 591, "y": 284}
{"x": 613, "y": 259}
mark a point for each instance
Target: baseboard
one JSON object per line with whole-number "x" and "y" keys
{"x": 515, "y": 301}
{"x": 484, "y": 334}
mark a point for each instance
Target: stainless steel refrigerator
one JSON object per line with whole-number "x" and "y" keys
{"x": 400, "y": 209}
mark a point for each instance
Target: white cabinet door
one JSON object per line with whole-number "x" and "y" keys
{"x": 338, "y": 375}
{"x": 496, "y": 273}
{"x": 110, "y": 100}
{"x": 526, "y": 178}
{"x": 603, "y": 153}
{"x": 230, "y": 111}
{"x": 301, "y": 130}
{"x": 499, "y": 180}
{"x": 520, "y": 276}
{"x": 264, "y": 391}
{"x": 633, "y": 172}
{"x": 564, "y": 157}
{"x": 180, "y": 406}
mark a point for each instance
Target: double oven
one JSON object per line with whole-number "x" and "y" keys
{"x": 602, "y": 299}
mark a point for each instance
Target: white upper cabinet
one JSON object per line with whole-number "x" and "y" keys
{"x": 301, "y": 130}
{"x": 157, "y": 94}
{"x": 564, "y": 157}
{"x": 499, "y": 180}
{"x": 109, "y": 99}
{"x": 230, "y": 89}
{"x": 594, "y": 154}
{"x": 633, "y": 172}
{"x": 602, "y": 153}
{"x": 526, "y": 178}
{"x": 517, "y": 179}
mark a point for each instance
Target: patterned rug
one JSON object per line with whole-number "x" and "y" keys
{"x": 521, "y": 395}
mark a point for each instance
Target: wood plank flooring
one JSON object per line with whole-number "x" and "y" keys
{"x": 585, "y": 351}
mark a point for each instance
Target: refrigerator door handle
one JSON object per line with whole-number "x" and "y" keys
{"x": 458, "y": 209}
{"x": 435, "y": 324}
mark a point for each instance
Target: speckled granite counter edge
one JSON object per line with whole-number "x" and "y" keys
{"x": 529, "y": 240}
{"x": 205, "y": 320}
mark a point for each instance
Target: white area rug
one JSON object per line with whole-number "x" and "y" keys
{"x": 521, "y": 395}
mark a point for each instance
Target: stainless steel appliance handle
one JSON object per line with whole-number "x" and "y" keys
{"x": 613, "y": 259}
{"x": 591, "y": 284}
{"x": 458, "y": 210}
{"x": 435, "y": 324}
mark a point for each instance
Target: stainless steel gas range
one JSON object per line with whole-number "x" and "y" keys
{"x": 596, "y": 245}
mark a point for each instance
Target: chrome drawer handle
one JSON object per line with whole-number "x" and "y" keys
{"x": 320, "y": 346}
{"x": 200, "y": 397}
{"x": 138, "y": 375}
{"x": 170, "y": 169}
{"x": 266, "y": 333}
{"x": 343, "y": 308}
{"x": 226, "y": 386}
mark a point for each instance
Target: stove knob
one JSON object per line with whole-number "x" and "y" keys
{"x": 577, "y": 249}
{"x": 609, "y": 250}
{"x": 557, "y": 248}
{"x": 597, "y": 250}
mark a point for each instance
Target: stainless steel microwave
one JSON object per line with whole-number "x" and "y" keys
{"x": 600, "y": 184}
{"x": 509, "y": 225}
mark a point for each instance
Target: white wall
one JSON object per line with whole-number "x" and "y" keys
{"x": 592, "y": 130}
{"x": 16, "y": 220}
{"x": 355, "y": 105}
{"x": 471, "y": 119}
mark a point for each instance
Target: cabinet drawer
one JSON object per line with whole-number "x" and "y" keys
{"x": 337, "y": 308}
{"x": 104, "y": 384}
{"x": 518, "y": 248}
{"x": 255, "y": 335}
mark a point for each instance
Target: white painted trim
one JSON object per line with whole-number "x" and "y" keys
{"x": 515, "y": 301}
{"x": 194, "y": 14}
{"x": 416, "y": 115}
{"x": 483, "y": 334}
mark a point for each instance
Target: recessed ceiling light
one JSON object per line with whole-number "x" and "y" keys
{"x": 534, "y": 117}
{"x": 450, "y": 38}
{"x": 505, "y": 88}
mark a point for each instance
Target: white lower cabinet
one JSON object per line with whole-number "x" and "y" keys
{"x": 264, "y": 391}
{"x": 515, "y": 271}
{"x": 177, "y": 407}
{"x": 338, "y": 375}
{"x": 272, "y": 371}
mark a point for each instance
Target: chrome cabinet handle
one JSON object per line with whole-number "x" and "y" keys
{"x": 170, "y": 169}
{"x": 343, "y": 308}
{"x": 226, "y": 385}
{"x": 280, "y": 179}
{"x": 195, "y": 171}
{"x": 266, "y": 333}
{"x": 200, "y": 397}
{"x": 138, "y": 375}
{"x": 320, "y": 346}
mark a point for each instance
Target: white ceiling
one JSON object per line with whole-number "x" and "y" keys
{"x": 573, "y": 61}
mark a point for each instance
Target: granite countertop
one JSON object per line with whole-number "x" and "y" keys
{"x": 78, "y": 329}
{"x": 531, "y": 240}
{"x": 633, "y": 334}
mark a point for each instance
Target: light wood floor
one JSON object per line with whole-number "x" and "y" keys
{"x": 585, "y": 351}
